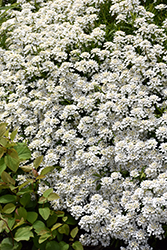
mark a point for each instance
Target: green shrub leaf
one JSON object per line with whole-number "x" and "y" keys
{"x": 25, "y": 199}
{"x": 7, "y": 244}
{"x": 37, "y": 161}
{"x": 44, "y": 212}
{"x": 46, "y": 170}
{"x": 23, "y": 151}
{"x": 74, "y": 232}
{"x": 64, "y": 246}
{"x": 47, "y": 192}
{"x": 12, "y": 163}
{"x": 44, "y": 237}
{"x": 21, "y": 222}
{"x": 6, "y": 178}
{"x": 23, "y": 233}
{"x": 2, "y": 130}
{"x": 57, "y": 225}
{"x": 8, "y": 208}
{"x": 3, "y": 165}
{"x": 2, "y": 151}
{"x": 51, "y": 220}
{"x": 32, "y": 217}
{"x": 53, "y": 197}
{"x": 53, "y": 245}
{"x": 13, "y": 135}
{"x": 21, "y": 213}
{"x": 77, "y": 245}
{"x": 64, "y": 229}
{"x": 39, "y": 226}
{"x": 7, "y": 198}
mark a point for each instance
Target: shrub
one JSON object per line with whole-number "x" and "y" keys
{"x": 85, "y": 82}
{"x": 27, "y": 220}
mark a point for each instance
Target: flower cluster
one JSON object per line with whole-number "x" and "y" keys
{"x": 95, "y": 108}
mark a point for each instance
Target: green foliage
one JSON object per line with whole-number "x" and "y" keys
{"x": 25, "y": 221}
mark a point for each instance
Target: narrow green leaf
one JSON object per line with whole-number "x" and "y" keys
{"x": 53, "y": 197}
{"x": 57, "y": 225}
{"x": 44, "y": 237}
{"x": 64, "y": 229}
{"x": 3, "y": 165}
{"x": 2, "y": 130}
{"x": 74, "y": 232}
{"x": 47, "y": 192}
{"x": 77, "y": 245}
{"x": 37, "y": 161}
{"x": 23, "y": 151}
{"x": 7, "y": 198}
{"x": 32, "y": 217}
{"x": 8, "y": 208}
{"x": 23, "y": 233}
{"x": 26, "y": 168}
{"x": 46, "y": 170}
{"x": 13, "y": 134}
{"x": 6, "y": 178}
{"x": 44, "y": 212}
{"x": 60, "y": 213}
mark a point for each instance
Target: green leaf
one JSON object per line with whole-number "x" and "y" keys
{"x": 57, "y": 225}
{"x": 64, "y": 218}
{"x": 2, "y": 130}
{"x": 44, "y": 237}
{"x": 60, "y": 213}
{"x": 13, "y": 135}
{"x": 7, "y": 198}
{"x": 37, "y": 161}
{"x": 21, "y": 222}
{"x": 7, "y": 179}
{"x": 44, "y": 212}
{"x": 32, "y": 217}
{"x": 21, "y": 213}
{"x": 74, "y": 232}
{"x": 2, "y": 225}
{"x": 13, "y": 153}
{"x": 2, "y": 151}
{"x": 53, "y": 245}
{"x": 3, "y": 141}
{"x": 47, "y": 192}
{"x": 53, "y": 197}
{"x": 11, "y": 222}
{"x": 39, "y": 226}
{"x": 64, "y": 245}
{"x": 12, "y": 163}
{"x": 8, "y": 208}
{"x": 51, "y": 220}
{"x": 7, "y": 244}
{"x": 23, "y": 151}
{"x": 77, "y": 245}
{"x": 23, "y": 233}
{"x": 26, "y": 168}
{"x": 46, "y": 170}
{"x": 71, "y": 220}
{"x": 25, "y": 199}
{"x": 42, "y": 200}
{"x": 64, "y": 229}
{"x": 3, "y": 165}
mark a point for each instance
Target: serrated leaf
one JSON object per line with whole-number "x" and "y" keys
{"x": 13, "y": 134}
{"x": 23, "y": 233}
{"x": 7, "y": 198}
{"x": 57, "y": 225}
{"x": 53, "y": 245}
{"x": 6, "y": 178}
{"x": 44, "y": 212}
{"x": 74, "y": 232}
{"x": 12, "y": 163}
{"x": 77, "y": 245}
{"x": 2, "y": 130}
{"x": 46, "y": 170}
{"x": 47, "y": 192}
{"x": 8, "y": 208}
{"x": 3, "y": 165}
{"x": 32, "y": 217}
{"x": 64, "y": 229}
{"x": 23, "y": 151}
{"x": 53, "y": 197}
{"x": 37, "y": 161}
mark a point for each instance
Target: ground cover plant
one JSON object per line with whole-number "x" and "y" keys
{"x": 85, "y": 82}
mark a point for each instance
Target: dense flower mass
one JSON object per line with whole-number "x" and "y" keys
{"x": 94, "y": 103}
